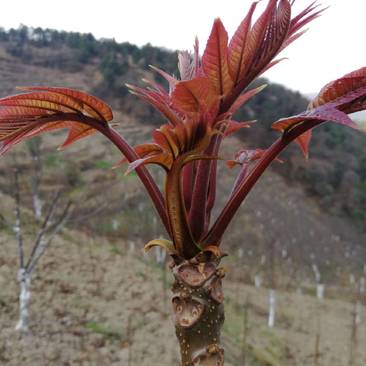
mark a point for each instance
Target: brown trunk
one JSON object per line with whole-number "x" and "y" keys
{"x": 199, "y": 312}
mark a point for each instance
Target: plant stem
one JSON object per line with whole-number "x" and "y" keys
{"x": 127, "y": 150}
{"x": 203, "y": 195}
{"x": 236, "y": 199}
{"x": 178, "y": 222}
{"x": 199, "y": 312}
{"x": 141, "y": 171}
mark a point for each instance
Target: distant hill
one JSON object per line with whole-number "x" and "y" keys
{"x": 327, "y": 193}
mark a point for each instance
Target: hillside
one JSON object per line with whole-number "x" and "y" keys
{"x": 320, "y": 187}
{"x": 94, "y": 277}
{"x": 34, "y": 56}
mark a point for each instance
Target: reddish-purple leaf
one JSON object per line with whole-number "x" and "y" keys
{"x": 304, "y": 17}
{"x": 270, "y": 34}
{"x": 234, "y": 126}
{"x": 243, "y": 98}
{"x": 195, "y": 96}
{"x": 246, "y": 156}
{"x": 276, "y": 33}
{"x": 238, "y": 45}
{"x": 142, "y": 151}
{"x": 272, "y": 64}
{"x": 347, "y": 93}
{"x": 159, "y": 100}
{"x": 170, "y": 79}
{"x": 335, "y": 100}
{"x": 163, "y": 159}
{"x": 214, "y": 59}
{"x": 91, "y": 105}
{"x": 185, "y": 66}
{"x": 51, "y": 102}
{"x": 44, "y": 109}
{"x": 303, "y": 142}
{"x": 256, "y": 37}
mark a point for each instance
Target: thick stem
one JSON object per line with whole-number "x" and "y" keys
{"x": 24, "y": 297}
{"x": 199, "y": 312}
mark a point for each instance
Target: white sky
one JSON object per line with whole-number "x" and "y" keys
{"x": 334, "y": 45}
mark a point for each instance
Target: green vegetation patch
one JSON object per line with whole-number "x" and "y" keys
{"x": 105, "y": 331}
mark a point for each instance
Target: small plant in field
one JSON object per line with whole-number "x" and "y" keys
{"x": 199, "y": 109}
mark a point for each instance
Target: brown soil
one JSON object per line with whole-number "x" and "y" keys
{"x": 94, "y": 303}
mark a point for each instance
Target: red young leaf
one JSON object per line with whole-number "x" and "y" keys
{"x": 320, "y": 114}
{"x": 159, "y": 100}
{"x": 142, "y": 151}
{"x": 246, "y": 156}
{"x": 190, "y": 66}
{"x": 284, "y": 124}
{"x": 51, "y": 102}
{"x": 304, "y": 17}
{"x": 77, "y": 131}
{"x": 303, "y": 142}
{"x": 214, "y": 59}
{"x": 234, "y": 126}
{"x": 299, "y": 22}
{"x": 154, "y": 86}
{"x": 256, "y": 37}
{"x": 335, "y": 100}
{"x": 92, "y": 106}
{"x": 272, "y": 64}
{"x": 44, "y": 109}
{"x": 275, "y": 34}
{"x": 347, "y": 93}
{"x": 185, "y": 65}
{"x": 243, "y": 98}
{"x": 238, "y": 44}
{"x": 163, "y": 159}
{"x": 195, "y": 96}
{"x": 292, "y": 39}
{"x": 253, "y": 49}
{"x": 170, "y": 79}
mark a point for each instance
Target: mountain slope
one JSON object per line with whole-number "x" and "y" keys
{"x": 301, "y": 211}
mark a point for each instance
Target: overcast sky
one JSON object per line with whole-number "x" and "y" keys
{"x": 334, "y": 45}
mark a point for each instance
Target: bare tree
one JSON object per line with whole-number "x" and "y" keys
{"x": 53, "y": 221}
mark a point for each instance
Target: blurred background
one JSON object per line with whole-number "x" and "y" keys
{"x": 295, "y": 289}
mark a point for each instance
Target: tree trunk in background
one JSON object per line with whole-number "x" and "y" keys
{"x": 199, "y": 312}
{"x": 320, "y": 287}
{"x": 272, "y": 308}
{"x": 37, "y": 206}
{"x": 272, "y": 285}
{"x": 24, "y": 297}
{"x": 257, "y": 281}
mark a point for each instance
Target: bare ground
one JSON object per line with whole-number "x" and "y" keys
{"x": 94, "y": 303}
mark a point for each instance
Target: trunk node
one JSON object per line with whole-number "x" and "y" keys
{"x": 199, "y": 312}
